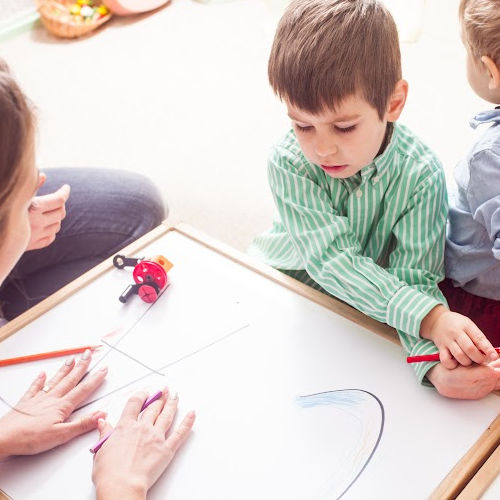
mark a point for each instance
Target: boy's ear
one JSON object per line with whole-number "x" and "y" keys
{"x": 397, "y": 101}
{"x": 493, "y": 72}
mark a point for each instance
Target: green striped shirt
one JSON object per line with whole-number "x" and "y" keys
{"x": 374, "y": 240}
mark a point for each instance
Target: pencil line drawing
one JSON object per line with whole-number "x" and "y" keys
{"x": 367, "y": 413}
{"x": 161, "y": 369}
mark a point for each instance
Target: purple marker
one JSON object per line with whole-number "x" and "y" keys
{"x": 152, "y": 399}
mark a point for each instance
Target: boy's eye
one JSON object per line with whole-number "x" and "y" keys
{"x": 345, "y": 130}
{"x": 303, "y": 129}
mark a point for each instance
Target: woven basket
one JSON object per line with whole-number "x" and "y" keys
{"x": 62, "y": 25}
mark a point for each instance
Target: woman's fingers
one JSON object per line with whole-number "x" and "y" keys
{"x": 42, "y": 177}
{"x": 180, "y": 435}
{"x": 167, "y": 415}
{"x": 61, "y": 373}
{"x": 134, "y": 406}
{"x": 150, "y": 414}
{"x": 74, "y": 376}
{"x": 35, "y": 387}
{"x": 85, "y": 388}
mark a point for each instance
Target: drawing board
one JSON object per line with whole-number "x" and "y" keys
{"x": 292, "y": 400}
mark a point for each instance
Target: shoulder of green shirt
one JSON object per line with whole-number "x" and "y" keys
{"x": 414, "y": 149}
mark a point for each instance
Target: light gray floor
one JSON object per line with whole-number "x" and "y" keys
{"x": 182, "y": 96}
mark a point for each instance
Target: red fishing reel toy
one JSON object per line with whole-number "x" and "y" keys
{"x": 150, "y": 276}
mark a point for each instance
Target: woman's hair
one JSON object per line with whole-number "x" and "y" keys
{"x": 327, "y": 50}
{"x": 17, "y": 125}
{"x": 481, "y": 27}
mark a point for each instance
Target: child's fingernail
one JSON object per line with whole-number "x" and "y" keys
{"x": 103, "y": 369}
{"x": 69, "y": 361}
{"x": 174, "y": 395}
{"x": 86, "y": 354}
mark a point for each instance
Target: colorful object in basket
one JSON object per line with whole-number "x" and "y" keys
{"x": 150, "y": 276}
{"x": 72, "y": 18}
{"x": 86, "y": 11}
{"x": 128, "y": 7}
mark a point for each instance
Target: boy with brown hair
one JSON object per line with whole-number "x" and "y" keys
{"x": 473, "y": 244}
{"x": 361, "y": 200}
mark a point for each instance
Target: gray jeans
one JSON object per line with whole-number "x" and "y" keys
{"x": 107, "y": 209}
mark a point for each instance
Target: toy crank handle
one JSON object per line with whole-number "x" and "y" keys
{"x": 130, "y": 290}
{"x": 120, "y": 261}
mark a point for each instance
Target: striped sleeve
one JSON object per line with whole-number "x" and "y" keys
{"x": 417, "y": 259}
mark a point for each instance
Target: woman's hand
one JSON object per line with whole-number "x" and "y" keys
{"x": 38, "y": 422}
{"x": 46, "y": 213}
{"x": 139, "y": 444}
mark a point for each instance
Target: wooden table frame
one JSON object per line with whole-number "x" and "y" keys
{"x": 467, "y": 480}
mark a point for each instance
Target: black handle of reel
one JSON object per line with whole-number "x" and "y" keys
{"x": 120, "y": 261}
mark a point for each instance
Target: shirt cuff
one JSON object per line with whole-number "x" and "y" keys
{"x": 407, "y": 308}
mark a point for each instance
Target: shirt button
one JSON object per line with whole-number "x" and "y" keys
{"x": 376, "y": 179}
{"x": 359, "y": 193}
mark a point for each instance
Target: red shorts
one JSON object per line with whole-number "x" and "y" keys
{"x": 484, "y": 312}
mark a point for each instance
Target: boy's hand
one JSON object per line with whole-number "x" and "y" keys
{"x": 457, "y": 338}
{"x": 46, "y": 213}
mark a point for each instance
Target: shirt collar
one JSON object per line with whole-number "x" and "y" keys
{"x": 380, "y": 165}
{"x": 489, "y": 116}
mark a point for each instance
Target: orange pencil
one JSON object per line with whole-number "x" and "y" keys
{"x": 47, "y": 355}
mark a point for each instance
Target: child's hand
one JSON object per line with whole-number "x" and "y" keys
{"x": 457, "y": 338}
{"x": 38, "y": 422}
{"x": 46, "y": 213}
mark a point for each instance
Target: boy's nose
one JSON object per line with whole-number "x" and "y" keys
{"x": 325, "y": 147}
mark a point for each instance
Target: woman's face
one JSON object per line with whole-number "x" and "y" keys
{"x": 17, "y": 230}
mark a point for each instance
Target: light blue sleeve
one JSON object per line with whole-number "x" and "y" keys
{"x": 484, "y": 194}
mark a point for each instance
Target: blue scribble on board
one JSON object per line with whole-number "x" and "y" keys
{"x": 347, "y": 399}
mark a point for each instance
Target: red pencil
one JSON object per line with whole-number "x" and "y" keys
{"x": 419, "y": 359}
{"x": 47, "y": 355}
{"x": 430, "y": 357}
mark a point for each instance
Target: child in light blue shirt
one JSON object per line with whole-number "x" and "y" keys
{"x": 472, "y": 255}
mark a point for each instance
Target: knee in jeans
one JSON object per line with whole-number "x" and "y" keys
{"x": 151, "y": 206}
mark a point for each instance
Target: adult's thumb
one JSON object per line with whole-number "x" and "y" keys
{"x": 65, "y": 190}
{"x": 83, "y": 425}
{"x": 104, "y": 427}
